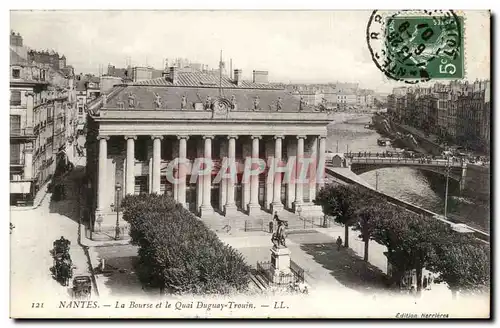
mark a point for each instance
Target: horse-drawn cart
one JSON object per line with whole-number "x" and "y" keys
{"x": 82, "y": 287}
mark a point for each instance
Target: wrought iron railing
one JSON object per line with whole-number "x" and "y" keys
{"x": 296, "y": 274}
{"x": 21, "y": 132}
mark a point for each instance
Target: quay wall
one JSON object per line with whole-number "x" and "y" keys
{"x": 401, "y": 203}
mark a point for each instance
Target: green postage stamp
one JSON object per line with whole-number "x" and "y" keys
{"x": 417, "y": 45}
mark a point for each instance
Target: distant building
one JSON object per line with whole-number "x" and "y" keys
{"x": 87, "y": 90}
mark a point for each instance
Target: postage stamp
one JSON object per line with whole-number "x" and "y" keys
{"x": 416, "y": 46}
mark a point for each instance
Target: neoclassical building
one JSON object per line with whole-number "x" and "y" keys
{"x": 137, "y": 130}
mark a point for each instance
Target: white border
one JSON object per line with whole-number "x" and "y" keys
{"x": 185, "y": 4}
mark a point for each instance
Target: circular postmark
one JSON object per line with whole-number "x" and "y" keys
{"x": 416, "y": 45}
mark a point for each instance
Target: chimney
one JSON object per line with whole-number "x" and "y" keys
{"x": 238, "y": 76}
{"x": 260, "y": 77}
{"x": 174, "y": 75}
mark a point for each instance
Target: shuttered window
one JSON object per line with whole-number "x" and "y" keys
{"x": 15, "y": 124}
{"x": 15, "y": 98}
{"x": 15, "y": 153}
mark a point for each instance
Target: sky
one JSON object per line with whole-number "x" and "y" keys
{"x": 294, "y": 46}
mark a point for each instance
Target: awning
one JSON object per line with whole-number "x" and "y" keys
{"x": 20, "y": 187}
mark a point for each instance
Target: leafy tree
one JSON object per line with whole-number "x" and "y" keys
{"x": 177, "y": 252}
{"x": 338, "y": 201}
{"x": 464, "y": 264}
{"x": 366, "y": 221}
{"x": 342, "y": 202}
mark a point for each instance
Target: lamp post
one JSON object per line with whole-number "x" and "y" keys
{"x": 118, "y": 187}
{"x": 91, "y": 219}
{"x": 376, "y": 180}
{"x": 446, "y": 189}
{"x": 299, "y": 210}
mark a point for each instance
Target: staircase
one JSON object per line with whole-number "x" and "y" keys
{"x": 258, "y": 280}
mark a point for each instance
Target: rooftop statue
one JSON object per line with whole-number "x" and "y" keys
{"x": 183, "y": 102}
{"x": 279, "y": 104}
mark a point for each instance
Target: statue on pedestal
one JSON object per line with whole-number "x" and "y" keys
{"x": 278, "y": 238}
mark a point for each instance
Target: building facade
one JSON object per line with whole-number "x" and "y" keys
{"x": 42, "y": 120}
{"x": 140, "y": 131}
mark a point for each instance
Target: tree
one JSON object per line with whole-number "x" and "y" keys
{"x": 178, "y": 253}
{"x": 338, "y": 201}
{"x": 366, "y": 221}
{"x": 464, "y": 264}
{"x": 342, "y": 201}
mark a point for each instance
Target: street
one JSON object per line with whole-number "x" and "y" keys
{"x": 31, "y": 241}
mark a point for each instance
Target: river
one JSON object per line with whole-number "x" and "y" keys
{"x": 348, "y": 133}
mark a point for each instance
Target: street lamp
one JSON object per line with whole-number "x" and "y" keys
{"x": 299, "y": 210}
{"x": 90, "y": 215}
{"x": 446, "y": 189}
{"x": 118, "y": 187}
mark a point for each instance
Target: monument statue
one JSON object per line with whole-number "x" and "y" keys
{"x": 183, "y": 102}
{"x": 279, "y": 104}
{"x": 157, "y": 101}
{"x": 278, "y": 238}
{"x": 256, "y": 103}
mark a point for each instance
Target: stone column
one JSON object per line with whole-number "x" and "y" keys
{"x": 299, "y": 184}
{"x": 130, "y": 165}
{"x": 101, "y": 176}
{"x": 182, "y": 170}
{"x": 230, "y": 207}
{"x": 313, "y": 169}
{"x": 277, "y": 205}
{"x": 206, "y": 206}
{"x": 156, "y": 164}
{"x": 254, "y": 206}
{"x": 320, "y": 175}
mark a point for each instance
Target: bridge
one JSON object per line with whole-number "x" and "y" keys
{"x": 363, "y": 162}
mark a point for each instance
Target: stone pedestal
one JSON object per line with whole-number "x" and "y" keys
{"x": 206, "y": 211}
{"x": 276, "y": 207}
{"x": 280, "y": 262}
{"x": 253, "y": 209}
{"x": 230, "y": 209}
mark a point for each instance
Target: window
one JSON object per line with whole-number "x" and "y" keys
{"x": 15, "y": 98}
{"x": 80, "y": 110}
{"x": 15, "y": 154}
{"x": 16, "y": 73}
{"x": 15, "y": 124}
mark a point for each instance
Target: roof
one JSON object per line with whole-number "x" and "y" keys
{"x": 198, "y": 79}
{"x": 15, "y": 58}
{"x": 196, "y": 87}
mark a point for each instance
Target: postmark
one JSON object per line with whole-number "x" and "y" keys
{"x": 417, "y": 45}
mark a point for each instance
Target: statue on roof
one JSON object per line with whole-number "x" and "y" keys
{"x": 157, "y": 101}
{"x": 183, "y": 102}
{"x": 131, "y": 100}
{"x": 279, "y": 104}
{"x": 234, "y": 105}
{"x": 208, "y": 103}
{"x": 256, "y": 103}
{"x": 302, "y": 104}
